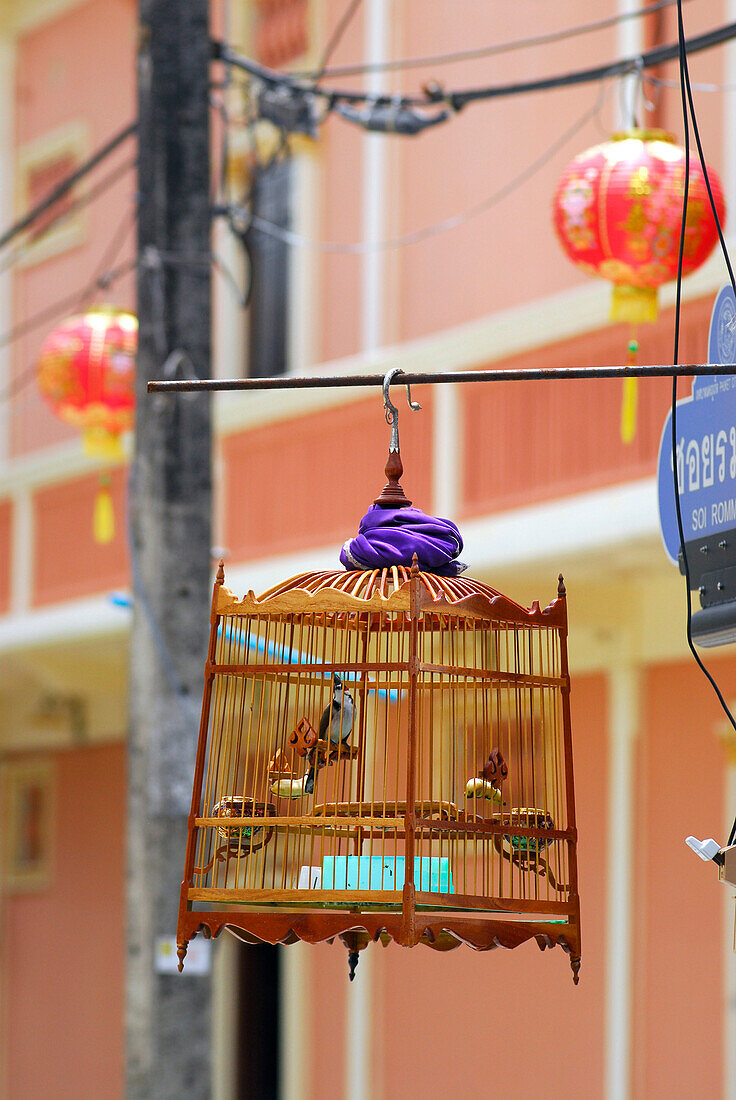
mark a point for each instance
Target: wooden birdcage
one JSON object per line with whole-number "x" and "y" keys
{"x": 442, "y": 810}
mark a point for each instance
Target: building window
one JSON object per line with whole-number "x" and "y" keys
{"x": 26, "y": 810}
{"x": 42, "y": 165}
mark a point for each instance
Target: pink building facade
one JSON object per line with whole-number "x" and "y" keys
{"x": 536, "y": 476}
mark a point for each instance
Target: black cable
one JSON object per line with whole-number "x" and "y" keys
{"x": 686, "y": 98}
{"x": 288, "y": 236}
{"x": 704, "y": 168}
{"x": 102, "y": 278}
{"x": 62, "y": 305}
{"x": 699, "y": 86}
{"x": 336, "y": 37}
{"x": 460, "y": 98}
{"x": 727, "y": 258}
{"x": 242, "y": 296}
{"x": 58, "y": 309}
{"x": 61, "y": 189}
{"x": 84, "y": 200}
{"x": 485, "y": 51}
{"x": 648, "y": 60}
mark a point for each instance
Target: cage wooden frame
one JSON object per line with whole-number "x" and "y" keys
{"x": 239, "y": 872}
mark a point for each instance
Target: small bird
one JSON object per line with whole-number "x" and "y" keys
{"x": 289, "y": 788}
{"x": 490, "y": 780}
{"x": 481, "y": 788}
{"x": 336, "y": 721}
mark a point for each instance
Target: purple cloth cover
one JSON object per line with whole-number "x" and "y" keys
{"x": 391, "y": 536}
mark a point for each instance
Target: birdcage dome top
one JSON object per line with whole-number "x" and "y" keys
{"x": 366, "y": 584}
{"x": 389, "y": 590}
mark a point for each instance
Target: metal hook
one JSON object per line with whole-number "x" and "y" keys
{"x": 638, "y": 99}
{"x": 390, "y": 411}
{"x": 640, "y": 96}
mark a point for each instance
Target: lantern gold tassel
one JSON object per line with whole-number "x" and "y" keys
{"x": 635, "y": 304}
{"x": 630, "y": 399}
{"x": 98, "y": 442}
{"x": 103, "y": 523}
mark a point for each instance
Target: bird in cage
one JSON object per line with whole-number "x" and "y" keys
{"x": 290, "y": 788}
{"x": 490, "y": 780}
{"x": 336, "y": 724}
{"x": 282, "y": 782}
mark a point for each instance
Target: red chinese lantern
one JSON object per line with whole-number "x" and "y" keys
{"x": 86, "y": 371}
{"x": 617, "y": 213}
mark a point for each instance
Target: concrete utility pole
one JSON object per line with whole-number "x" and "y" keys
{"x": 168, "y": 1015}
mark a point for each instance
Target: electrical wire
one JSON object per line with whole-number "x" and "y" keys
{"x": 58, "y": 309}
{"x": 687, "y": 102}
{"x": 456, "y": 99}
{"x": 102, "y": 282}
{"x": 460, "y": 98}
{"x": 242, "y": 297}
{"x": 66, "y": 184}
{"x": 336, "y": 37}
{"x": 494, "y": 50}
{"x": 16, "y": 254}
{"x": 650, "y": 59}
{"x": 104, "y": 276}
{"x": 662, "y": 82}
{"x": 288, "y": 236}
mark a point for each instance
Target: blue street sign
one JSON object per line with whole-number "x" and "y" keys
{"x": 706, "y": 444}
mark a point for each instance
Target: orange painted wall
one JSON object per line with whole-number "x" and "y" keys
{"x": 506, "y": 1024}
{"x": 300, "y": 483}
{"x": 76, "y": 68}
{"x": 327, "y": 992}
{"x": 678, "y": 951}
{"x": 531, "y": 441}
{"x": 338, "y": 209}
{"x": 706, "y": 67}
{"x": 64, "y": 947}
{"x": 67, "y": 561}
{"x": 507, "y": 253}
{"x": 6, "y": 536}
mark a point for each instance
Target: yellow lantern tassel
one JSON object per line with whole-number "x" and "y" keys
{"x": 635, "y": 304}
{"x": 630, "y": 399}
{"x": 100, "y": 443}
{"x": 103, "y": 523}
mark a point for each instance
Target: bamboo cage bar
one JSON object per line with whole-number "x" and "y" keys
{"x": 434, "y": 805}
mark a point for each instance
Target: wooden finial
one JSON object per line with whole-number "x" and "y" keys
{"x": 181, "y": 950}
{"x": 221, "y": 572}
{"x": 561, "y": 585}
{"x": 414, "y": 566}
{"x": 575, "y": 966}
{"x": 393, "y": 496}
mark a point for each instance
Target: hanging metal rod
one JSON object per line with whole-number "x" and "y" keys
{"x": 419, "y": 378}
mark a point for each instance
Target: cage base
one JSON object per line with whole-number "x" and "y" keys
{"x": 357, "y": 930}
